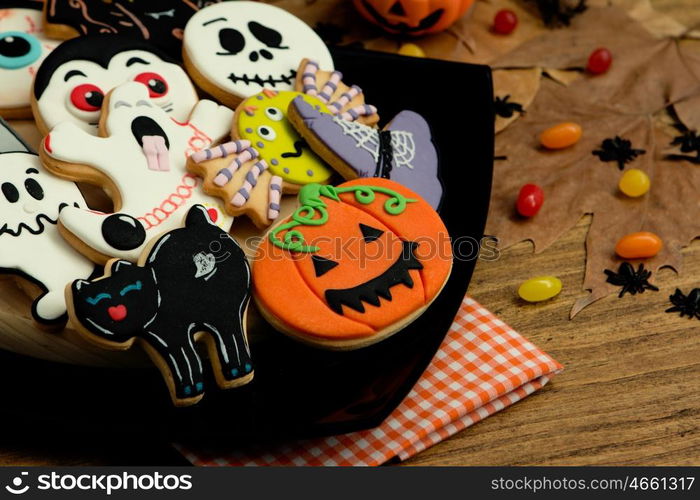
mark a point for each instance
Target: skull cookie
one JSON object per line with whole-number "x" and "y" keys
{"x": 235, "y": 49}
{"x": 353, "y": 265}
{"x": 22, "y": 48}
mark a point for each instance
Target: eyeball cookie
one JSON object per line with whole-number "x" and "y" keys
{"x": 72, "y": 82}
{"x": 22, "y": 48}
{"x": 353, "y": 265}
{"x": 233, "y": 50}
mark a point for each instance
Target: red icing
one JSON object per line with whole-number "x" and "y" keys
{"x": 85, "y": 97}
{"x": 213, "y": 214}
{"x": 117, "y": 313}
{"x": 47, "y": 144}
{"x": 153, "y": 81}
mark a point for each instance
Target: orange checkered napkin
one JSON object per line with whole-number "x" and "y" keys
{"x": 482, "y": 367}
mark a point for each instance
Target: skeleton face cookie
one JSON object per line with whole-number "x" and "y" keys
{"x": 22, "y": 48}
{"x": 235, "y": 49}
{"x": 140, "y": 161}
{"x": 30, "y": 244}
{"x": 72, "y": 83}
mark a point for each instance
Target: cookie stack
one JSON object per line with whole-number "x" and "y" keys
{"x": 348, "y": 247}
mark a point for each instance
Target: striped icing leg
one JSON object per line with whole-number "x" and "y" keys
{"x": 221, "y": 151}
{"x": 275, "y": 197}
{"x": 251, "y": 180}
{"x": 226, "y": 174}
{"x": 337, "y": 106}
{"x": 330, "y": 87}
{"x": 354, "y": 113}
{"x": 308, "y": 78}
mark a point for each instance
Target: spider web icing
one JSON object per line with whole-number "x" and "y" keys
{"x": 402, "y": 144}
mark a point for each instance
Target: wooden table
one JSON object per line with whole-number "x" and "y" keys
{"x": 630, "y": 394}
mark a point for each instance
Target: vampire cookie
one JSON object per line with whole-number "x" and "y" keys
{"x": 353, "y": 265}
{"x": 23, "y": 46}
{"x": 30, "y": 244}
{"x": 191, "y": 284}
{"x": 139, "y": 159}
{"x": 233, "y": 50}
{"x": 72, "y": 82}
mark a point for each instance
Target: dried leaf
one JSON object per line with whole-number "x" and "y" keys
{"x": 520, "y": 86}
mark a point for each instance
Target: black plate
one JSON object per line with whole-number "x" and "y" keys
{"x": 298, "y": 391}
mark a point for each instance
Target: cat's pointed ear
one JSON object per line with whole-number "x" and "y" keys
{"x": 197, "y": 216}
{"x": 119, "y": 265}
{"x": 78, "y": 284}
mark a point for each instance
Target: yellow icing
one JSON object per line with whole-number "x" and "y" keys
{"x": 262, "y": 119}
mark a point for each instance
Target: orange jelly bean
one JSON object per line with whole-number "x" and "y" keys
{"x": 561, "y": 136}
{"x": 641, "y": 245}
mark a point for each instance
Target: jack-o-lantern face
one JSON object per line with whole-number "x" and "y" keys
{"x": 413, "y": 17}
{"x": 353, "y": 264}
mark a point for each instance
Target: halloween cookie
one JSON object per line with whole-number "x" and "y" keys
{"x": 403, "y": 151}
{"x": 233, "y": 50}
{"x": 72, "y": 82}
{"x": 139, "y": 159}
{"x": 30, "y": 244}
{"x": 353, "y": 265}
{"x": 191, "y": 284}
{"x": 22, "y": 48}
{"x": 267, "y": 155}
{"x": 160, "y": 22}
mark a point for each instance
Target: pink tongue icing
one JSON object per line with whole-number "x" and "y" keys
{"x": 156, "y": 153}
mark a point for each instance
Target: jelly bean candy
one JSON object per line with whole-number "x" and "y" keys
{"x": 540, "y": 288}
{"x": 599, "y": 61}
{"x": 634, "y": 183}
{"x": 504, "y": 22}
{"x": 411, "y": 49}
{"x": 561, "y": 136}
{"x": 641, "y": 245}
{"x": 530, "y": 200}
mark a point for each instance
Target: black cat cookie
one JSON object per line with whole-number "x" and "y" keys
{"x": 190, "y": 284}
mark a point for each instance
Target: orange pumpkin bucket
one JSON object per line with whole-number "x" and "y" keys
{"x": 413, "y": 17}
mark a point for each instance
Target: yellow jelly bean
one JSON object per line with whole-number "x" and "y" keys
{"x": 561, "y": 136}
{"x": 411, "y": 49}
{"x": 634, "y": 183}
{"x": 540, "y": 288}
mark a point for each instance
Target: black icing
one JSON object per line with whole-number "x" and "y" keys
{"x": 195, "y": 279}
{"x": 385, "y": 157}
{"x": 371, "y": 291}
{"x": 231, "y": 41}
{"x": 369, "y": 233}
{"x": 10, "y": 191}
{"x": 270, "y": 37}
{"x": 322, "y": 265}
{"x": 143, "y": 125}
{"x": 34, "y": 189}
{"x": 14, "y": 46}
{"x": 123, "y": 232}
{"x": 299, "y": 146}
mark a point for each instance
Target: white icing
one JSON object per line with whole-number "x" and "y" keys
{"x": 46, "y": 257}
{"x": 158, "y": 198}
{"x": 402, "y": 144}
{"x": 202, "y": 43}
{"x": 15, "y": 84}
{"x": 55, "y": 103}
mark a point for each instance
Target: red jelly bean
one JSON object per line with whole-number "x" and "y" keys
{"x": 599, "y": 61}
{"x": 530, "y": 200}
{"x": 504, "y": 22}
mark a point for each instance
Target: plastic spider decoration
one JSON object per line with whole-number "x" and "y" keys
{"x": 632, "y": 281}
{"x": 689, "y": 142}
{"x": 618, "y": 150}
{"x": 266, "y": 156}
{"x": 687, "y": 305}
{"x": 557, "y": 13}
{"x": 506, "y": 108}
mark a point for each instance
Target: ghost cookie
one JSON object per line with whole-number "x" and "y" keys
{"x": 267, "y": 156}
{"x": 72, "y": 82}
{"x": 353, "y": 265}
{"x": 191, "y": 284}
{"x": 30, "y": 244}
{"x": 403, "y": 151}
{"x": 233, "y": 50}
{"x": 139, "y": 159}
{"x": 22, "y": 48}
{"x": 160, "y": 22}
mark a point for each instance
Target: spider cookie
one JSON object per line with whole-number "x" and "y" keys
{"x": 191, "y": 284}
{"x": 139, "y": 159}
{"x": 403, "y": 151}
{"x": 72, "y": 82}
{"x": 30, "y": 244}
{"x": 233, "y": 50}
{"x": 353, "y": 265}
{"x": 267, "y": 156}
{"x": 22, "y": 48}
{"x": 160, "y": 22}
